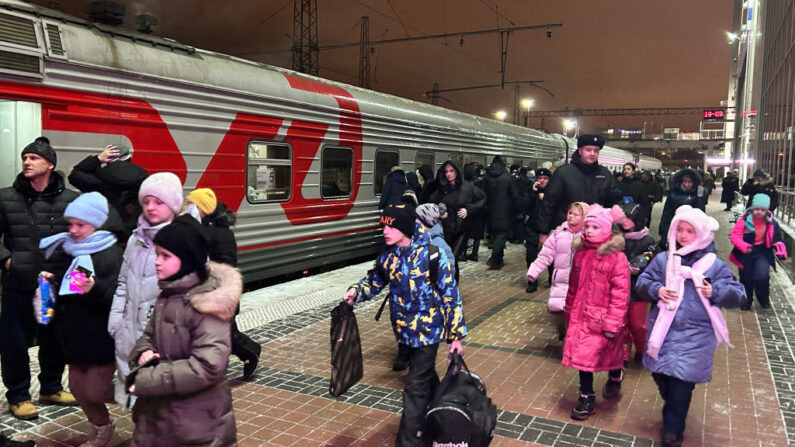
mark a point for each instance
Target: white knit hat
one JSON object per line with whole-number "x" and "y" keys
{"x": 166, "y": 187}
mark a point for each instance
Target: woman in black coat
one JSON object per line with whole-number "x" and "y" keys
{"x": 685, "y": 190}
{"x": 463, "y": 200}
{"x": 731, "y": 184}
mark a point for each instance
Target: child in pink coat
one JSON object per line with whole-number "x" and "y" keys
{"x": 596, "y": 308}
{"x": 557, "y": 252}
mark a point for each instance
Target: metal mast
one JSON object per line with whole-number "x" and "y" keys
{"x": 305, "y": 48}
{"x": 364, "y": 54}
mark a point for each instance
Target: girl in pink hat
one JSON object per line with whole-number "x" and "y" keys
{"x": 689, "y": 285}
{"x": 596, "y": 308}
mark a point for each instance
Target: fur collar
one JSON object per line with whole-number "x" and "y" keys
{"x": 220, "y": 294}
{"x": 615, "y": 244}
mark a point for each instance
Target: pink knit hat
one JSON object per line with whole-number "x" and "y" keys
{"x": 705, "y": 226}
{"x": 601, "y": 217}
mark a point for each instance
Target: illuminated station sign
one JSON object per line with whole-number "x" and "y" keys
{"x": 714, "y": 114}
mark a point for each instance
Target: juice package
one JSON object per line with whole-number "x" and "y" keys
{"x": 44, "y": 302}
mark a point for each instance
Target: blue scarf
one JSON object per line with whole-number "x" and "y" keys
{"x": 82, "y": 251}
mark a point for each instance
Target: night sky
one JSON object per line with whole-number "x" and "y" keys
{"x": 608, "y": 54}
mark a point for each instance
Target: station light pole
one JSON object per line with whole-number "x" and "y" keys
{"x": 527, "y": 103}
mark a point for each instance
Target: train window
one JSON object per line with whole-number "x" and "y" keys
{"x": 336, "y": 172}
{"x": 424, "y": 158}
{"x": 269, "y": 170}
{"x": 458, "y": 159}
{"x": 384, "y": 161}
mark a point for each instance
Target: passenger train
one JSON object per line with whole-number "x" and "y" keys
{"x": 300, "y": 159}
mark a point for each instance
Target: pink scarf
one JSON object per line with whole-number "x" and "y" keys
{"x": 675, "y": 276}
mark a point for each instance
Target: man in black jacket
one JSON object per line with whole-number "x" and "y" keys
{"x": 112, "y": 174}
{"x": 30, "y": 210}
{"x": 581, "y": 180}
{"x": 501, "y": 197}
{"x": 532, "y": 206}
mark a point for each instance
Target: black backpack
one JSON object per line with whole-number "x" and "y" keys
{"x": 460, "y": 412}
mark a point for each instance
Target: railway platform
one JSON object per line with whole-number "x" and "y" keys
{"x": 512, "y": 344}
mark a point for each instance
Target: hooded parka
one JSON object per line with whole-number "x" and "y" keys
{"x": 597, "y": 301}
{"x": 462, "y": 194}
{"x": 185, "y": 399}
{"x": 677, "y": 196}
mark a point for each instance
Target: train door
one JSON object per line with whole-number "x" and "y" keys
{"x": 424, "y": 158}
{"x": 20, "y": 123}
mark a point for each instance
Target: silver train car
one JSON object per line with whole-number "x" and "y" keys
{"x": 300, "y": 159}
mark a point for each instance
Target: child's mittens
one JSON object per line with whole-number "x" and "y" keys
{"x": 781, "y": 250}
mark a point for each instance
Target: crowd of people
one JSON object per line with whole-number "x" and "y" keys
{"x": 614, "y": 286}
{"x": 146, "y": 288}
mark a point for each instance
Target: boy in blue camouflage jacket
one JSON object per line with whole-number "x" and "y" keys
{"x": 424, "y": 311}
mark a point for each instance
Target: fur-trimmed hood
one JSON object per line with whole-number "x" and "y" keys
{"x": 616, "y": 243}
{"x": 220, "y": 293}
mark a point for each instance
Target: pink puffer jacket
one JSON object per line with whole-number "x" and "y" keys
{"x": 597, "y": 301}
{"x": 556, "y": 252}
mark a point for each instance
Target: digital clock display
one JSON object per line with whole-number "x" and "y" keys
{"x": 714, "y": 114}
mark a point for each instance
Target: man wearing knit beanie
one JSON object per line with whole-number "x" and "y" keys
{"x": 166, "y": 187}
{"x": 41, "y": 147}
{"x": 204, "y": 199}
{"x": 186, "y": 239}
{"x": 41, "y": 191}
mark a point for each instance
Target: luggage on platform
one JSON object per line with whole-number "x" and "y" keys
{"x": 460, "y": 413}
{"x": 346, "y": 350}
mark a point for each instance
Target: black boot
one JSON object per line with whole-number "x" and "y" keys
{"x": 531, "y": 286}
{"x": 403, "y": 359}
{"x": 669, "y": 439}
{"x": 586, "y": 406}
{"x": 473, "y": 256}
{"x": 247, "y": 350}
{"x": 613, "y": 387}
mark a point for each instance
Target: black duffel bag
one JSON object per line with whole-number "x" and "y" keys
{"x": 346, "y": 350}
{"x": 460, "y": 412}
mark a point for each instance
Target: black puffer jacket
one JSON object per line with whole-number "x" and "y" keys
{"x": 461, "y": 195}
{"x": 223, "y": 247}
{"x": 677, "y": 197}
{"x": 117, "y": 181}
{"x": 576, "y": 182}
{"x": 500, "y": 196}
{"x": 766, "y": 186}
{"x": 82, "y": 320}
{"x": 26, "y": 217}
{"x": 394, "y": 187}
{"x": 635, "y": 188}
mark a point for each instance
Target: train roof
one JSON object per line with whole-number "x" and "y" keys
{"x": 122, "y": 50}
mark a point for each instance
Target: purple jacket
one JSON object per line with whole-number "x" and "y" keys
{"x": 690, "y": 344}
{"x": 556, "y": 252}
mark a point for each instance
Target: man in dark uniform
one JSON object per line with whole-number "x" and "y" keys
{"x": 581, "y": 180}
